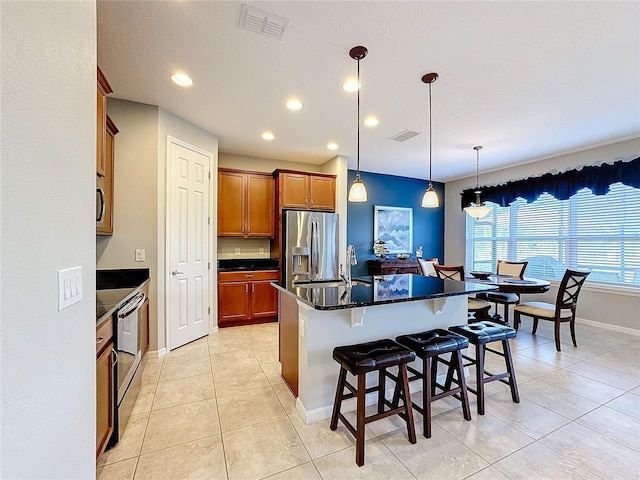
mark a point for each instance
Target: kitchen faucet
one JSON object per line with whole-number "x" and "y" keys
{"x": 351, "y": 260}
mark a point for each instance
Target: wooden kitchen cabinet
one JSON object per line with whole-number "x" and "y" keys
{"x": 306, "y": 191}
{"x": 105, "y": 385}
{"x": 247, "y": 297}
{"x": 246, "y": 204}
{"x": 104, "y": 185}
{"x": 388, "y": 266}
{"x": 103, "y": 90}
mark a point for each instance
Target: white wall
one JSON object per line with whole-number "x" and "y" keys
{"x": 47, "y": 223}
{"x": 258, "y": 164}
{"x": 135, "y": 194}
{"x": 338, "y": 166}
{"x": 616, "y": 308}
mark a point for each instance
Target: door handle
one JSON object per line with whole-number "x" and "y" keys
{"x": 176, "y": 272}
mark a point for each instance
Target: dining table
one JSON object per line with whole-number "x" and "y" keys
{"x": 509, "y": 284}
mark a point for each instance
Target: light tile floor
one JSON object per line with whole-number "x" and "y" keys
{"x": 217, "y": 409}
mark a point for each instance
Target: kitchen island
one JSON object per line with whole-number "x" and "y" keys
{"x": 316, "y": 317}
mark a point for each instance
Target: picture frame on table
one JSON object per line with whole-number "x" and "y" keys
{"x": 394, "y": 225}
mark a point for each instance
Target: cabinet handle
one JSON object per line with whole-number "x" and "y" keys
{"x": 115, "y": 354}
{"x": 250, "y": 275}
{"x": 249, "y": 229}
{"x": 100, "y": 216}
{"x": 312, "y": 201}
{"x": 253, "y": 288}
{"x": 246, "y": 288}
{"x": 242, "y": 229}
{"x": 99, "y": 340}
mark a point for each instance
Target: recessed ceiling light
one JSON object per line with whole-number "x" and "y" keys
{"x": 371, "y": 121}
{"x": 332, "y": 146}
{"x": 182, "y": 79}
{"x": 351, "y": 85}
{"x": 294, "y": 104}
{"x": 268, "y": 136}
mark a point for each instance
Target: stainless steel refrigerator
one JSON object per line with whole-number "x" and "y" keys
{"x": 310, "y": 246}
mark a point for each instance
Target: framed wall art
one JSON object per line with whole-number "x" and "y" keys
{"x": 394, "y": 225}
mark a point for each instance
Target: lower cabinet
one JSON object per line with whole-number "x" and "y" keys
{"x": 246, "y": 297}
{"x": 105, "y": 385}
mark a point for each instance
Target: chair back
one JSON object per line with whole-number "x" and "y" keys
{"x": 426, "y": 266}
{"x": 453, "y": 273}
{"x": 515, "y": 269}
{"x": 569, "y": 290}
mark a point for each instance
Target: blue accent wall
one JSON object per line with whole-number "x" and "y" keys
{"x": 392, "y": 191}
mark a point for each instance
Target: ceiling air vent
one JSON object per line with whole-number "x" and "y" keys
{"x": 262, "y": 22}
{"x": 404, "y": 136}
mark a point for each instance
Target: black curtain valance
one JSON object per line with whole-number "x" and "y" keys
{"x": 560, "y": 185}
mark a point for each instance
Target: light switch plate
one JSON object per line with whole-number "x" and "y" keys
{"x": 140, "y": 255}
{"x": 69, "y": 287}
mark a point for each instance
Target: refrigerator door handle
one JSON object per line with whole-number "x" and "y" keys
{"x": 315, "y": 244}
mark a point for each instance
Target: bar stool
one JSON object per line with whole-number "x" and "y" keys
{"x": 480, "y": 334}
{"x": 430, "y": 346}
{"x": 359, "y": 360}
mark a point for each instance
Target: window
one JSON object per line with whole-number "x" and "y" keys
{"x": 598, "y": 233}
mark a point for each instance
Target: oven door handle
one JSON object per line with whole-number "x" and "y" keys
{"x": 132, "y": 305}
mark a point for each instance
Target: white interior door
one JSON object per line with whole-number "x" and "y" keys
{"x": 188, "y": 268}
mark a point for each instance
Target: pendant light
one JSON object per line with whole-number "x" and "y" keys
{"x": 358, "y": 192}
{"x": 479, "y": 210}
{"x": 430, "y": 198}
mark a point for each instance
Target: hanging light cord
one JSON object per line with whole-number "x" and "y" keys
{"x": 430, "y": 143}
{"x": 477, "y": 166}
{"x": 358, "y": 148}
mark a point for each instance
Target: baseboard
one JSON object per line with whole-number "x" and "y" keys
{"x": 157, "y": 353}
{"x": 608, "y": 326}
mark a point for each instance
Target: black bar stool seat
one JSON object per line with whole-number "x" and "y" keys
{"x": 480, "y": 334}
{"x": 359, "y": 360}
{"x": 430, "y": 346}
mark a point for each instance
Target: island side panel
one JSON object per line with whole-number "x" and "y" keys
{"x": 288, "y": 324}
{"x": 326, "y": 329}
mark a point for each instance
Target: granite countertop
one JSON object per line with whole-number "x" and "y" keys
{"x": 247, "y": 264}
{"x": 382, "y": 289}
{"x": 116, "y": 286}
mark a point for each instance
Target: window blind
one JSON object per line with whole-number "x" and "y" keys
{"x": 600, "y": 233}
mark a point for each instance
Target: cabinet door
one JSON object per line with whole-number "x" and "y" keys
{"x": 105, "y": 407}
{"x": 264, "y": 299}
{"x": 231, "y": 204}
{"x": 101, "y": 123}
{"x": 260, "y": 206}
{"x": 233, "y": 301}
{"x": 323, "y": 193}
{"x": 294, "y": 190}
{"x": 105, "y": 227}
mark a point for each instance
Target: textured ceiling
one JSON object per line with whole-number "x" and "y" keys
{"x": 527, "y": 80}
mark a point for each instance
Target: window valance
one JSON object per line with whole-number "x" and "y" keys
{"x": 560, "y": 185}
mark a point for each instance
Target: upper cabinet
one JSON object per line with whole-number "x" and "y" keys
{"x": 245, "y": 204}
{"x": 103, "y": 90}
{"x": 306, "y": 191}
{"x": 105, "y": 153}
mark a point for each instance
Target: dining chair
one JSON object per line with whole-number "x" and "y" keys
{"x": 564, "y": 309}
{"x": 426, "y": 266}
{"x": 515, "y": 270}
{"x": 475, "y": 306}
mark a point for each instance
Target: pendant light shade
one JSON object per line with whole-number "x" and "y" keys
{"x": 358, "y": 192}
{"x": 479, "y": 210}
{"x": 430, "y": 198}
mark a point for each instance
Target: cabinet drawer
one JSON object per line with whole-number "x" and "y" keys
{"x": 248, "y": 276}
{"x": 104, "y": 334}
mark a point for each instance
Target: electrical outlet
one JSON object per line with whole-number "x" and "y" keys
{"x": 237, "y": 251}
{"x": 261, "y": 251}
{"x": 69, "y": 287}
{"x": 140, "y": 255}
{"x": 301, "y": 327}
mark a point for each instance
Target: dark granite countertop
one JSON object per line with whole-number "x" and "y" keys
{"x": 244, "y": 264}
{"x": 378, "y": 290}
{"x": 116, "y": 286}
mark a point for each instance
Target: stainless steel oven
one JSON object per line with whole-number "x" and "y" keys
{"x": 129, "y": 348}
